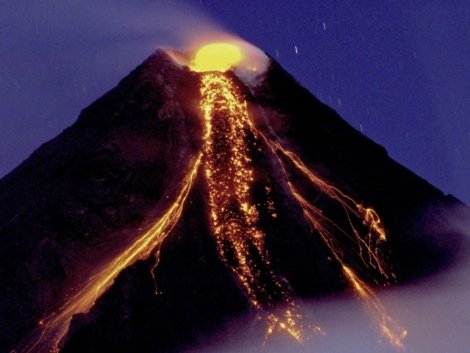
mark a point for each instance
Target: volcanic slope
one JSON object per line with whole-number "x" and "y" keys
{"x": 141, "y": 154}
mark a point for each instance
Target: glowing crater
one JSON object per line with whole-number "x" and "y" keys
{"x": 216, "y": 57}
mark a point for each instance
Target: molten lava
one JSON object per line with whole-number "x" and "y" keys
{"x": 229, "y": 172}
{"x": 216, "y": 57}
{"x": 226, "y": 160}
{"x": 55, "y": 325}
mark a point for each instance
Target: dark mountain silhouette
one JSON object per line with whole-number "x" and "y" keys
{"x": 85, "y": 195}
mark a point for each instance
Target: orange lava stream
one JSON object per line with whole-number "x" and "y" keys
{"x": 55, "y": 326}
{"x": 368, "y": 243}
{"x": 233, "y": 217}
{"x": 389, "y": 328}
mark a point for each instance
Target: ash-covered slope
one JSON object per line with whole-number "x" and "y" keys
{"x": 83, "y": 197}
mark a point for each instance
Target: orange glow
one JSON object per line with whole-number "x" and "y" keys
{"x": 390, "y": 329}
{"x": 55, "y": 326}
{"x": 368, "y": 240}
{"x": 216, "y": 57}
{"x": 233, "y": 216}
{"x": 368, "y": 243}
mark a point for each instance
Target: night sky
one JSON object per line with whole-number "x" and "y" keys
{"x": 399, "y": 70}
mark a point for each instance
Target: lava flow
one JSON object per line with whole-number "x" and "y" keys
{"x": 365, "y": 238}
{"x": 54, "y": 327}
{"x": 233, "y": 217}
{"x": 227, "y": 165}
{"x": 229, "y": 173}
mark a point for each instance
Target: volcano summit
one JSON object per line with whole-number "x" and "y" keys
{"x": 197, "y": 190}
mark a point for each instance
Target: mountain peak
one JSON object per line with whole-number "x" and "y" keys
{"x": 181, "y": 199}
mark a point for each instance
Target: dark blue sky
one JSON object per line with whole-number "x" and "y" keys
{"x": 398, "y": 70}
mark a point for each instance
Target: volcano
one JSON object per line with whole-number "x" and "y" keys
{"x": 185, "y": 197}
